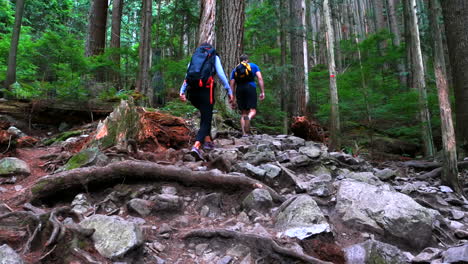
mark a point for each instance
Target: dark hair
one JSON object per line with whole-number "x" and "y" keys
{"x": 243, "y": 57}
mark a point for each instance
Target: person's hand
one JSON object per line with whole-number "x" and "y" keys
{"x": 182, "y": 97}
{"x": 231, "y": 98}
{"x": 262, "y": 96}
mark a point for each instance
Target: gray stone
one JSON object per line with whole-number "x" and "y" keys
{"x": 169, "y": 190}
{"x": 293, "y": 142}
{"x": 251, "y": 170}
{"x": 300, "y": 211}
{"x": 310, "y": 151}
{"x": 322, "y": 171}
{"x": 2, "y": 190}
{"x": 373, "y": 251}
{"x": 200, "y": 249}
{"x": 461, "y": 234}
{"x": 385, "y": 174}
{"x": 427, "y": 255}
{"x": 238, "y": 251}
{"x": 454, "y": 225}
{"x": 456, "y": 254}
{"x": 247, "y": 260}
{"x": 457, "y": 214}
{"x": 13, "y": 166}
{"x": 141, "y": 206}
{"x": 114, "y": 236}
{"x": 445, "y": 189}
{"x": 305, "y": 232}
{"x": 212, "y": 202}
{"x": 15, "y": 131}
{"x": 166, "y": 202}
{"x": 257, "y": 157}
{"x": 258, "y": 199}
{"x": 80, "y": 204}
{"x": 367, "y": 177}
{"x": 271, "y": 171}
{"x": 386, "y": 212}
{"x": 9, "y": 256}
{"x": 225, "y": 260}
{"x": 301, "y": 160}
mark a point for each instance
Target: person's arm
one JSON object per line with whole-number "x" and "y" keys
{"x": 232, "y": 83}
{"x": 262, "y": 87}
{"x": 183, "y": 88}
{"x": 222, "y": 75}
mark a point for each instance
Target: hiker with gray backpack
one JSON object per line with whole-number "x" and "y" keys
{"x": 199, "y": 89}
{"x": 242, "y": 83}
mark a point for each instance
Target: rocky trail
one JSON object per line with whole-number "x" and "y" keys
{"x": 259, "y": 199}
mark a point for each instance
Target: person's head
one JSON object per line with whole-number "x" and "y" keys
{"x": 244, "y": 57}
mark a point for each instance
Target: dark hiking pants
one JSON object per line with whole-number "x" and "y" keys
{"x": 200, "y": 98}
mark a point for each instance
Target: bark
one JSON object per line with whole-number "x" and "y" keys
{"x": 230, "y": 32}
{"x": 298, "y": 87}
{"x": 117, "y": 8}
{"x": 74, "y": 181}
{"x": 263, "y": 244}
{"x": 396, "y": 38}
{"x": 96, "y": 40}
{"x": 11, "y": 70}
{"x": 206, "y": 29}
{"x": 455, "y": 19}
{"x": 450, "y": 170}
{"x": 379, "y": 16}
{"x": 420, "y": 82}
{"x": 335, "y": 143}
{"x": 143, "y": 84}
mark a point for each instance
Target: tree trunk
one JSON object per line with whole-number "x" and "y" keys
{"x": 298, "y": 58}
{"x": 117, "y": 8}
{"x": 335, "y": 143}
{"x": 396, "y": 38}
{"x": 11, "y": 70}
{"x": 450, "y": 170}
{"x": 96, "y": 40}
{"x": 206, "y": 30}
{"x": 420, "y": 82}
{"x": 230, "y": 32}
{"x": 456, "y": 19}
{"x": 379, "y": 16}
{"x": 143, "y": 85}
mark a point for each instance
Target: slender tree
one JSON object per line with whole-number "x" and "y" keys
{"x": 420, "y": 83}
{"x": 206, "y": 30}
{"x": 117, "y": 7}
{"x": 455, "y": 20}
{"x": 335, "y": 143}
{"x": 450, "y": 170}
{"x": 11, "y": 69}
{"x": 143, "y": 85}
{"x": 96, "y": 41}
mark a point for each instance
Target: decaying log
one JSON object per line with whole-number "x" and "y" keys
{"x": 75, "y": 180}
{"x": 308, "y": 129}
{"x": 261, "y": 243}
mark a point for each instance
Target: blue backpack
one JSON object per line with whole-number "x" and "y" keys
{"x": 202, "y": 67}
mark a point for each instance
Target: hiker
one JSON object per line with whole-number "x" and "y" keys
{"x": 243, "y": 76}
{"x": 198, "y": 88}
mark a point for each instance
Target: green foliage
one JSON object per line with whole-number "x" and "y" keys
{"x": 50, "y": 15}
{"x": 179, "y": 108}
{"x": 270, "y": 117}
{"x": 6, "y": 16}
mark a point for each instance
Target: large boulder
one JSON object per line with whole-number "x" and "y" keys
{"x": 301, "y": 217}
{"x": 9, "y": 256}
{"x": 385, "y": 212}
{"x": 456, "y": 254}
{"x": 114, "y": 236}
{"x": 373, "y": 251}
{"x": 13, "y": 167}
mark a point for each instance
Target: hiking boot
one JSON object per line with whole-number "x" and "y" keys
{"x": 196, "y": 153}
{"x": 246, "y": 125}
{"x": 209, "y": 145}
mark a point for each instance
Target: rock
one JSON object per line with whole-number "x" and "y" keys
{"x": 322, "y": 171}
{"x": 367, "y": 177}
{"x": 445, "y": 189}
{"x": 2, "y": 190}
{"x": 457, "y": 214}
{"x": 9, "y": 256}
{"x": 200, "y": 248}
{"x": 454, "y": 225}
{"x": 310, "y": 151}
{"x": 461, "y": 234}
{"x": 87, "y": 157}
{"x": 141, "y": 206}
{"x": 345, "y": 158}
{"x": 257, "y": 157}
{"x": 13, "y": 167}
{"x": 386, "y": 212}
{"x": 212, "y": 202}
{"x": 301, "y": 212}
{"x": 114, "y": 236}
{"x": 169, "y": 190}
{"x": 166, "y": 202}
{"x": 80, "y": 204}
{"x": 305, "y": 232}
{"x": 373, "y": 251}
{"x": 292, "y": 142}
{"x": 251, "y": 170}
{"x": 427, "y": 255}
{"x": 247, "y": 259}
{"x": 301, "y": 160}
{"x": 182, "y": 221}
{"x": 271, "y": 171}
{"x": 238, "y": 251}
{"x": 225, "y": 260}
{"x": 456, "y": 254}
{"x": 258, "y": 199}
{"x": 385, "y": 174}
{"x": 15, "y": 131}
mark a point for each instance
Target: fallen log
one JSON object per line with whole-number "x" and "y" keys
{"x": 261, "y": 243}
{"x": 76, "y": 180}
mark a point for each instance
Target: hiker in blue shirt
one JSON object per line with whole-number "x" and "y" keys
{"x": 243, "y": 85}
{"x": 199, "y": 91}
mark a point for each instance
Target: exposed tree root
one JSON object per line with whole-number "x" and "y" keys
{"x": 426, "y": 165}
{"x": 260, "y": 243}
{"x": 74, "y": 180}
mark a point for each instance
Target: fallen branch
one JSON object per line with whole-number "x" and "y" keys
{"x": 261, "y": 243}
{"x": 75, "y": 180}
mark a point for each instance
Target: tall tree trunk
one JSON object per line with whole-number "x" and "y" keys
{"x": 455, "y": 19}
{"x": 379, "y": 16}
{"x": 298, "y": 58}
{"x": 206, "y": 30}
{"x": 230, "y": 32}
{"x": 96, "y": 40}
{"x": 335, "y": 143}
{"x": 283, "y": 15}
{"x": 11, "y": 70}
{"x": 396, "y": 38}
{"x": 450, "y": 170}
{"x": 143, "y": 85}
{"x": 117, "y": 7}
{"x": 420, "y": 82}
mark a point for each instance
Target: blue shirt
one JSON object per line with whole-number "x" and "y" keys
{"x": 221, "y": 76}
{"x": 254, "y": 67}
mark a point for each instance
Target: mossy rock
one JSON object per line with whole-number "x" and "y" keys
{"x": 62, "y": 137}
{"x": 83, "y": 158}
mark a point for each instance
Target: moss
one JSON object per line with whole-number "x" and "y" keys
{"x": 63, "y": 136}
{"x": 38, "y": 187}
{"x": 81, "y": 158}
